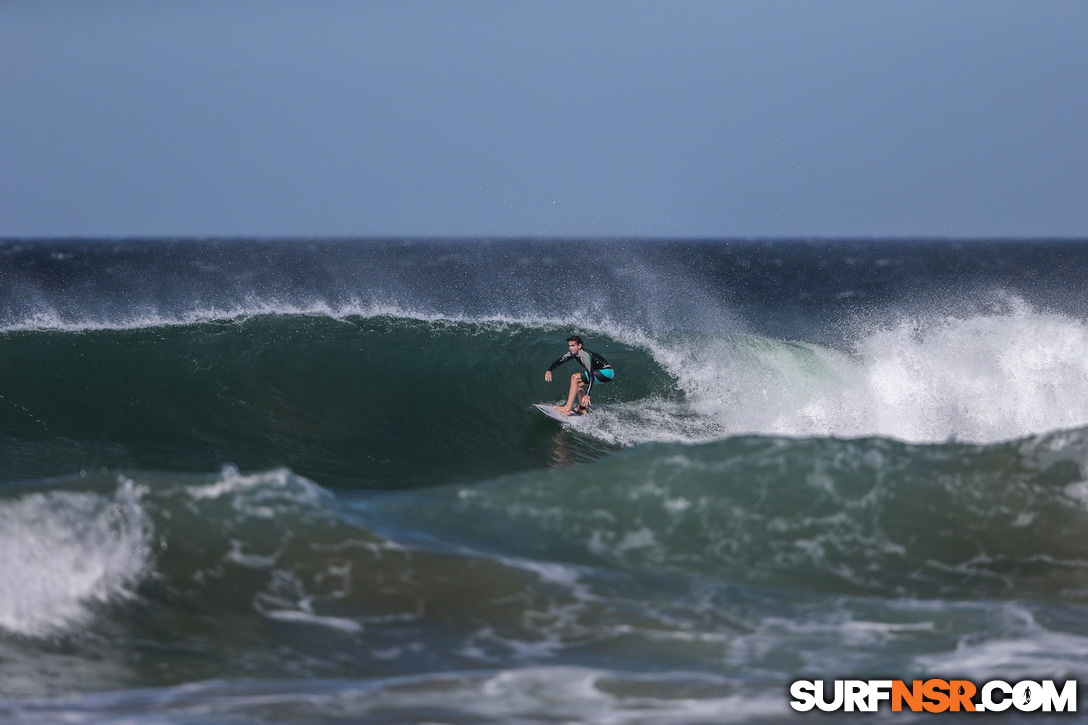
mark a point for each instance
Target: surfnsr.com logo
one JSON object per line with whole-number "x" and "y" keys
{"x": 934, "y": 696}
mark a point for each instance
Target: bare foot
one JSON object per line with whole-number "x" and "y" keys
{"x": 561, "y": 409}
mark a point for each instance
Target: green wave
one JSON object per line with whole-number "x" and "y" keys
{"x": 852, "y": 517}
{"x": 372, "y": 402}
{"x": 272, "y": 575}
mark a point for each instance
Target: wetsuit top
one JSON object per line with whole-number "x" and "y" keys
{"x": 589, "y": 360}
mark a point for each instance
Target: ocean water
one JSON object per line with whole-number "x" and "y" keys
{"x": 303, "y": 482}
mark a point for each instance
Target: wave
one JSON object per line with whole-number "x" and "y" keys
{"x": 853, "y": 517}
{"x": 380, "y": 402}
{"x": 387, "y": 399}
{"x": 867, "y": 516}
{"x": 687, "y": 554}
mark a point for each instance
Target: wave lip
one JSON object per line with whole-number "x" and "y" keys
{"x": 64, "y": 552}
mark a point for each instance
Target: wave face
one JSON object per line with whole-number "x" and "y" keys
{"x": 382, "y": 402}
{"x": 388, "y": 401}
{"x": 304, "y": 482}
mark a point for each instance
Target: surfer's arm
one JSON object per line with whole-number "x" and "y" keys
{"x": 588, "y": 359}
{"x": 596, "y": 362}
{"x": 584, "y": 402}
{"x": 559, "y": 362}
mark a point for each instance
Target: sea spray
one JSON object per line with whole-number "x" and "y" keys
{"x": 65, "y": 551}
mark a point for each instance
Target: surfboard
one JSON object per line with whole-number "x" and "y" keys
{"x": 549, "y": 410}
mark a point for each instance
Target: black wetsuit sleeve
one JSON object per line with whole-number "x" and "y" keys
{"x": 559, "y": 362}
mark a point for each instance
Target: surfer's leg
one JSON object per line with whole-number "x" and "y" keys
{"x": 575, "y": 387}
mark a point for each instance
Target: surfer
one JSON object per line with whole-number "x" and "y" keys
{"x": 597, "y": 370}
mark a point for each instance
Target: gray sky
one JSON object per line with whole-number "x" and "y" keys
{"x": 940, "y": 118}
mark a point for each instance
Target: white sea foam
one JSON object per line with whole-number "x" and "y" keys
{"x": 295, "y": 616}
{"x": 980, "y": 379}
{"x": 64, "y": 551}
{"x": 260, "y": 495}
{"x": 1017, "y": 646}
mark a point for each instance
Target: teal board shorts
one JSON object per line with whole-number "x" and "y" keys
{"x": 604, "y": 375}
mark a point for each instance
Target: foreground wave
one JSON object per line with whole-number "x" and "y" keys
{"x": 690, "y": 556}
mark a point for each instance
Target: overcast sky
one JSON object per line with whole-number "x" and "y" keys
{"x": 937, "y": 118}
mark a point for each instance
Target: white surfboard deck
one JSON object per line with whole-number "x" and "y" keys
{"x": 549, "y": 410}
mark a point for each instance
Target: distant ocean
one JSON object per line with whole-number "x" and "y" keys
{"x": 303, "y": 481}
